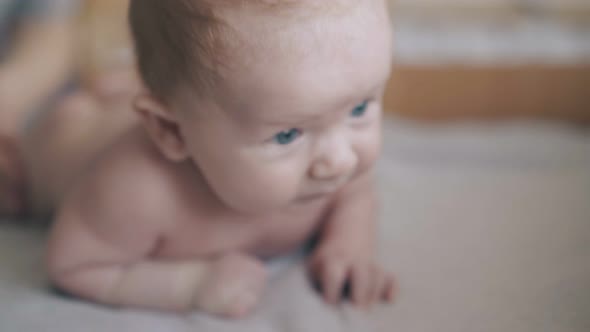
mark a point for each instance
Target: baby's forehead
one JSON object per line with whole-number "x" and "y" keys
{"x": 282, "y": 94}
{"x": 292, "y": 33}
{"x": 298, "y": 62}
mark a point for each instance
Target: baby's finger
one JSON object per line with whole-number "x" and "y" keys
{"x": 377, "y": 285}
{"x": 11, "y": 169}
{"x": 11, "y": 196}
{"x": 333, "y": 277}
{"x": 389, "y": 289}
{"x": 361, "y": 285}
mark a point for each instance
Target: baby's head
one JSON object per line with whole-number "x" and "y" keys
{"x": 275, "y": 101}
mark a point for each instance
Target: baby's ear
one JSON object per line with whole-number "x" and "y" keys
{"x": 162, "y": 126}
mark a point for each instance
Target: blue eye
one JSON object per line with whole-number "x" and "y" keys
{"x": 287, "y": 137}
{"x": 360, "y": 110}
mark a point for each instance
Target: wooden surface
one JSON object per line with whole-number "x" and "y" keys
{"x": 439, "y": 93}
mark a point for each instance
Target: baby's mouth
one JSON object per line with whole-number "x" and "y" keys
{"x": 322, "y": 192}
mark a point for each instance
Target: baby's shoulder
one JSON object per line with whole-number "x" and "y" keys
{"x": 130, "y": 182}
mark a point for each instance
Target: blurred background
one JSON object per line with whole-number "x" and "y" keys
{"x": 486, "y": 59}
{"x": 492, "y": 59}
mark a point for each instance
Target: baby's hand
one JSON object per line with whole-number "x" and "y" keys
{"x": 348, "y": 274}
{"x": 12, "y": 184}
{"x": 232, "y": 286}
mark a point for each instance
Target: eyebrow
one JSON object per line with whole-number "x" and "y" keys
{"x": 303, "y": 120}
{"x": 300, "y": 120}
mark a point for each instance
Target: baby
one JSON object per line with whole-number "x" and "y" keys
{"x": 260, "y": 127}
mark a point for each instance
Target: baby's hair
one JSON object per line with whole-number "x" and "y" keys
{"x": 176, "y": 43}
{"x": 180, "y": 42}
{"x": 186, "y": 43}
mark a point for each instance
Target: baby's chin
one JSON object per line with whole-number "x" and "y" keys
{"x": 254, "y": 205}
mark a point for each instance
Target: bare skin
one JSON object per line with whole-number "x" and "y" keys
{"x": 181, "y": 236}
{"x": 184, "y": 224}
{"x": 12, "y": 197}
{"x": 38, "y": 63}
{"x": 39, "y": 160}
{"x": 62, "y": 143}
{"x": 178, "y": 213}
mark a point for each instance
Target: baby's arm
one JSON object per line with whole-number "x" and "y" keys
{"x": 88, "y": 260}
{"x": 102, "y": 248}
{"x": 345, "y": 255}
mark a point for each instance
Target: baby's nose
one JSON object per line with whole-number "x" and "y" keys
{"x": 335, "y": 163}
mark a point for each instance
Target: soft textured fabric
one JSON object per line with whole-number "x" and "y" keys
{"x": 486, "y": 227}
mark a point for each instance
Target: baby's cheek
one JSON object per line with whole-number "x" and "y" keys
{"x": 270, "y": 188}
{"x": 369, "y": 149}
{"x": 282, "y": 183}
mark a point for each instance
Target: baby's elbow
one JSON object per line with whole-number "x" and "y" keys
{"x": 66, "y": 274}
{"x": 72, "y": 262}
{"x": 89, "y": 283}
{"x": 61, "y": 253}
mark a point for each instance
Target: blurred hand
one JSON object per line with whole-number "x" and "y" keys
{"x": 12, "y": 107}
{"x": 345, "y": 272}
{"x": 12, "y": 186}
